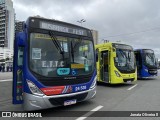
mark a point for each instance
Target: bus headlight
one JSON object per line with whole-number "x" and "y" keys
{"x": 94, "y": 82}
{"x": 34, "y": 89}
{"x": 117, "y": 74}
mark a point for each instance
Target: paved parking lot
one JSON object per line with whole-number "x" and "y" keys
{"x": 5, "y": 75}
{"x": 141, "y": 96}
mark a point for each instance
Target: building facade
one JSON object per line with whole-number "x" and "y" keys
{"x": 95, "y": 36}
{"x": 7, "y": 28}
{"x": 6, "y": 53}
{"x": 19, "y": 26}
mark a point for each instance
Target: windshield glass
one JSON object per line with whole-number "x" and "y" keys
{"x": 149, "y": 58}
{"x": 125, "y": 59}
{"x": 60, "y": 56}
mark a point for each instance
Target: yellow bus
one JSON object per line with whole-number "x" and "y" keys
{"x": 115, "y": 63}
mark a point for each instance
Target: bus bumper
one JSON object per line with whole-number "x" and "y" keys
{"x": 149, "y": 77}
{"x": 33, "y": 102}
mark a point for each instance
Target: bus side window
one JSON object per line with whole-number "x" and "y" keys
{"x": 20, "y": 55}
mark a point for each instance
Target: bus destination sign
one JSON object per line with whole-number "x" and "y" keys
{"x": 148, "y": 51}
{"x": 121, "y": 46}
{"x": 62, "y": 28}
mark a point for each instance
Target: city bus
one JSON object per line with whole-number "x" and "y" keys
{"x": 115, "y": 63}
{"x": 146, "y": 63}
{"x": 54, "y": 64}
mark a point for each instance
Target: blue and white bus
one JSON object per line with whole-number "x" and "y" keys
{"x": 146, "y": 63}
{"x": 54, "y": 64}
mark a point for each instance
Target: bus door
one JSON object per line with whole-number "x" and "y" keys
{"x": 104, "y": 69}
{"x": 138, "y": 62}
{"x": 17, "y": 88}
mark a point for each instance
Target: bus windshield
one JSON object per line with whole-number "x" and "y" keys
{"x": 149, "y": 58}
{"x": 125, "y": 59}
{"x": 60, "y": 56}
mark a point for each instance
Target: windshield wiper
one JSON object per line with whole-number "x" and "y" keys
{"x": 129, "y": 56}
{"x": 149, "y": 55}
{"x": 122, "y": 53}
{"x": 72, "y": 51}
{"x": 57, "y": 43}
{"x": 125, "y": 56}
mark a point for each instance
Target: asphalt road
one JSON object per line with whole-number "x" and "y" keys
{"x": 141, "y": 96}
{"x": 5, "y": 75}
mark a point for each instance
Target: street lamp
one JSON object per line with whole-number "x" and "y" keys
{"x": 81, "y": 21}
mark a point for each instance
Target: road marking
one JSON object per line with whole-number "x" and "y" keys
{"x": 6, "y": 80}
{"x": 90, "y": 113}
{"x": 132, "y": 87}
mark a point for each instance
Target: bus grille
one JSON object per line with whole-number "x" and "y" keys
{"x": 60, "y": 101}
{"x": 152, "y": 71}
{"x": 60, "y": 81}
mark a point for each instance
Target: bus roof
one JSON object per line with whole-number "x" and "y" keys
{"x": 108, "y": 44}
{"x": 141, "y": 49}
{"x": 57, "y": 26}
{"x": 53, "y": 20}
{"x": 103, "y": 44}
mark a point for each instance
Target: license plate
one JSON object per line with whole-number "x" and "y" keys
{"x": 70, "y": 102}
{"x": 129, "y": 81}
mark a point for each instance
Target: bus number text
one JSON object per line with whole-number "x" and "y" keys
{"x": 80, "y": 88}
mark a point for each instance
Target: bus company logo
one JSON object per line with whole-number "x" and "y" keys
{"x": 128, "y": 70}
{"x": 69, "y": 89}
{"x": 67, "y": 78}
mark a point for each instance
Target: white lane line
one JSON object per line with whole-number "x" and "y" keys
{"x": 89, "y": 113}
{"x": 6, "y": 80}
{"x": 132, "y": 87}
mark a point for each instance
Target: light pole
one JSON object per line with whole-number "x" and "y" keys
{"x": 81, "y": 21}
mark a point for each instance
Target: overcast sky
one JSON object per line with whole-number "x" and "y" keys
{"x": 134, "y": 22}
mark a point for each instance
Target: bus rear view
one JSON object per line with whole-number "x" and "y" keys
{"x": 146, "y": 63}
{"x": 54, "y": 64}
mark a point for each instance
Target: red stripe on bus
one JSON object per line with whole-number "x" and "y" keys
{"x": 53, "y": 90}
{"x": 19, "y": 86}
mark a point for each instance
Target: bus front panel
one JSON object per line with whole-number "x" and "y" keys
{"x": 58, "y": 68}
